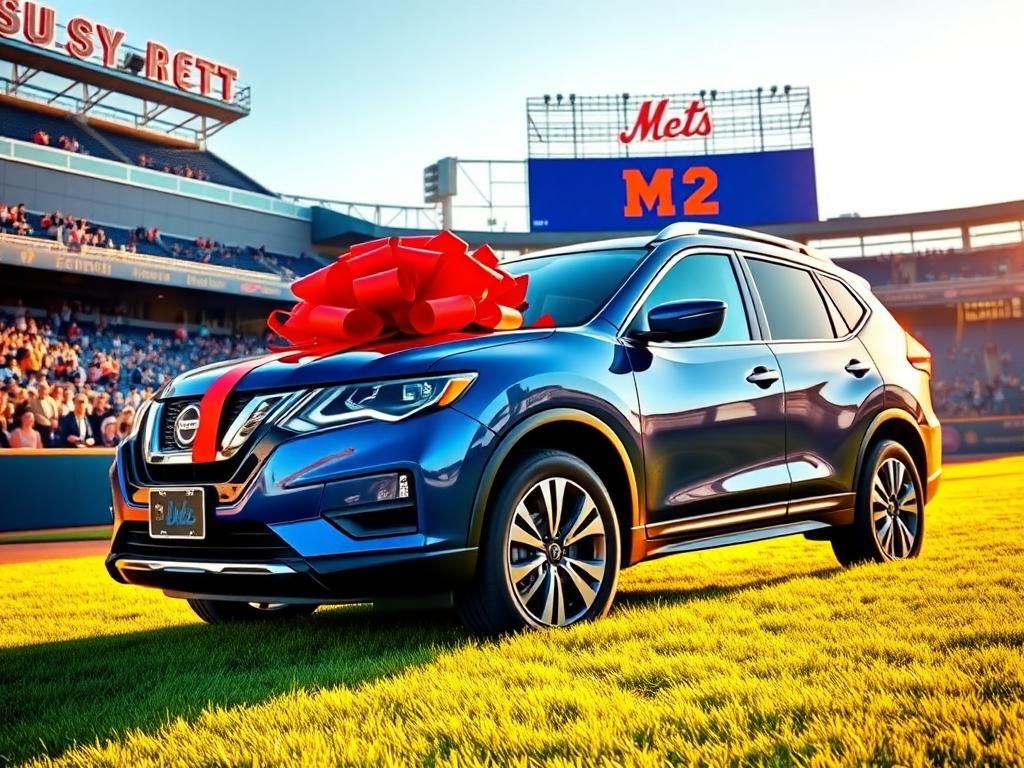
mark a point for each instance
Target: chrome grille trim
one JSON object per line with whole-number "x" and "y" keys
{"x": 229, "y": 444}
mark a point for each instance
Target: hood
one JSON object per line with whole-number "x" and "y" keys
{"x": 391, "y": 358}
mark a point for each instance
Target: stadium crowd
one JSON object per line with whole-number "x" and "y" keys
{"x": 74, "y": 232}
{"x": 145, "y": 161}
{"x": 65, "y": 385}
{"x": 67, "y": 143}
{"x": 977, "y": 382}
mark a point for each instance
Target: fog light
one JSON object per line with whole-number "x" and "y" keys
{"x": 376, "y": 505}
{"x": 374, "y": 489}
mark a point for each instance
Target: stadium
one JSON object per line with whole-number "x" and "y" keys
{"x": 130, "y": 252}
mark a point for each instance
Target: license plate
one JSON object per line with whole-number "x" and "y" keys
{"x": 177, "y": 513}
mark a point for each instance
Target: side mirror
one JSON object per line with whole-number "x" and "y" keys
{"x": 689, "y": 320}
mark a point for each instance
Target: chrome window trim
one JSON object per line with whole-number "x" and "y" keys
{"x": 814, "y": 271}
{"x": 711, "y": 250}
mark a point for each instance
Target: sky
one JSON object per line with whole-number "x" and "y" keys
{"x": 916, "y": 105}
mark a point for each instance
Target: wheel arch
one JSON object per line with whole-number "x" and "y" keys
{"x": 899, "y": 426}
{"x": 581, "y": 434}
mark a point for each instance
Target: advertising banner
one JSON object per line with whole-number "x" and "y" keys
{"x": 647, "y": 193}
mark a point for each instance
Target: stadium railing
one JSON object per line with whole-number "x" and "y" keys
{"x": 112, "y": 170}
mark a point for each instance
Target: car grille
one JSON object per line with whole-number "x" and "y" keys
{"x": 224, "y": 542}
{"x": 170, "y": 410}
{"x": 168, "y": 414}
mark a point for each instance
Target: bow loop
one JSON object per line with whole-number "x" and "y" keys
{"x": 420, "y": 285}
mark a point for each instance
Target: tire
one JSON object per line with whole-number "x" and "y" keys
{"x": 889, "y": 513}
{"x": 529, "y": 578}
{"x": 230, "y": 611}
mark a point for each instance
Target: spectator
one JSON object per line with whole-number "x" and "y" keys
{"x": 41, "y": 137}
{"x": 25, "y": 436}
{"x": 75, "y": 429}
{"x": 100, "y": 412}
{"x": 108, "y": 433}
{"x": 6, "y": 412}
{"x": 46, "y": 413}
{"x": 124, "y": 422}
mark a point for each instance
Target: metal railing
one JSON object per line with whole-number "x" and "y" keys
{"x": 379, "y": 214}
{"x": 113, "y": 170}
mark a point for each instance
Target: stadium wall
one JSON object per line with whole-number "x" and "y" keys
{"x": 126, "y": 205}
{"x": 57, "y": 488}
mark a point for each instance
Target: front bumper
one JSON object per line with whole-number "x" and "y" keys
{"x": 281, "y": 539}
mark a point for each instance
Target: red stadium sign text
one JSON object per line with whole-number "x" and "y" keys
{"x": 651, "y": 125}
{"x": 37, "y": 24}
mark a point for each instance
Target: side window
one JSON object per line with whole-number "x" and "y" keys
{"x": 701, "y": 276}
{"x": 849, "y": 307}
{"x": 792, "y": 302}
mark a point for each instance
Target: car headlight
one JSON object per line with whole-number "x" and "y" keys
{"x": 381, "y": 400}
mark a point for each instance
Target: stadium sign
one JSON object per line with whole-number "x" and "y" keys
{"x": 85, "y": 39}
{"x": 617, "y": 163}
{"x": 119, "y": 266}
{"x": 651, "y": 123}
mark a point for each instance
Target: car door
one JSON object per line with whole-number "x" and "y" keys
{"x": 712, "y": 411}
{"x": 833, "y": 389}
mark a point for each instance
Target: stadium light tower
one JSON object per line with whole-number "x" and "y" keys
{"x": 439, "y": 186}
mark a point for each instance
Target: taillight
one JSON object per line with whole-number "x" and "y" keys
{"x": 918, "y": 355}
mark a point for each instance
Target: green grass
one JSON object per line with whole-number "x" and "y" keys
{"x": 762, "y": 654}
{"x": 65, "y": 534}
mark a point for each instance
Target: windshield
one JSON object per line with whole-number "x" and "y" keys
{"x": 572, "y": 287}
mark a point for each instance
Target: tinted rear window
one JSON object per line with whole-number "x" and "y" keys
{"x": 792, "y": 302}
{"x": 572, "y": 287}
{"x": 851, "y": 310}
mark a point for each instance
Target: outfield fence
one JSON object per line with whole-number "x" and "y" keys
{"x": 56, "y": 488}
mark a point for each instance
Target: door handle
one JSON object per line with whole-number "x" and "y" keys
{"x": 857, "y": 368}
{"x": 763, "y": 376}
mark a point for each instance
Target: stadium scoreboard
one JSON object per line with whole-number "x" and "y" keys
{"x": 623, "y": 162}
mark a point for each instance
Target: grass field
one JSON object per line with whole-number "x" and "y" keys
{"x": 92, "y": 533}
{"x": 762, "y": 654}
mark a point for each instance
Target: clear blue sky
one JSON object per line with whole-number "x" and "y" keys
{"x": 917, "y": 105}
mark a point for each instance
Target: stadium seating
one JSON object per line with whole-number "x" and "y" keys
{"x": 936, "y": 266}
{"x": 171, "y": 246}
{"x": 216, "y": 169}
{"x": 975, "y": 372}
{"x": 22, "y": 124}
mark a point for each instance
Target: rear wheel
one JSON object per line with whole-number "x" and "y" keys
{"x": 229, "y": 611}
{"x": 549, "y": 550}
{"x": 889, "y": 519}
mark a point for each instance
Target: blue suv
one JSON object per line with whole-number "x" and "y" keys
{"x": 704, "y": 387}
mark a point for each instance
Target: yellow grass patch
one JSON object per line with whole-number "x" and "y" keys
{"x": 766, "y": 653}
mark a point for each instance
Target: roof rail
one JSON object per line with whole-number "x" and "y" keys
{"x": 681, "y": 228}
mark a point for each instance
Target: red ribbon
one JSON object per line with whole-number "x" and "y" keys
{"x": 399, "y": 286}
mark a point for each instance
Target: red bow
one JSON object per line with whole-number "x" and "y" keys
{"x": 418, "y": 286}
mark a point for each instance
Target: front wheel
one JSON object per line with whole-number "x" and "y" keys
{"x": 549, "y": 550}
{"x": 230, "y": 611}
{"x": 889, "y": 518}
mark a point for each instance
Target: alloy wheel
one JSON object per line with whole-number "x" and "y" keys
{"x": 895, "y": 509}
{"x": 556, "y": 560}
